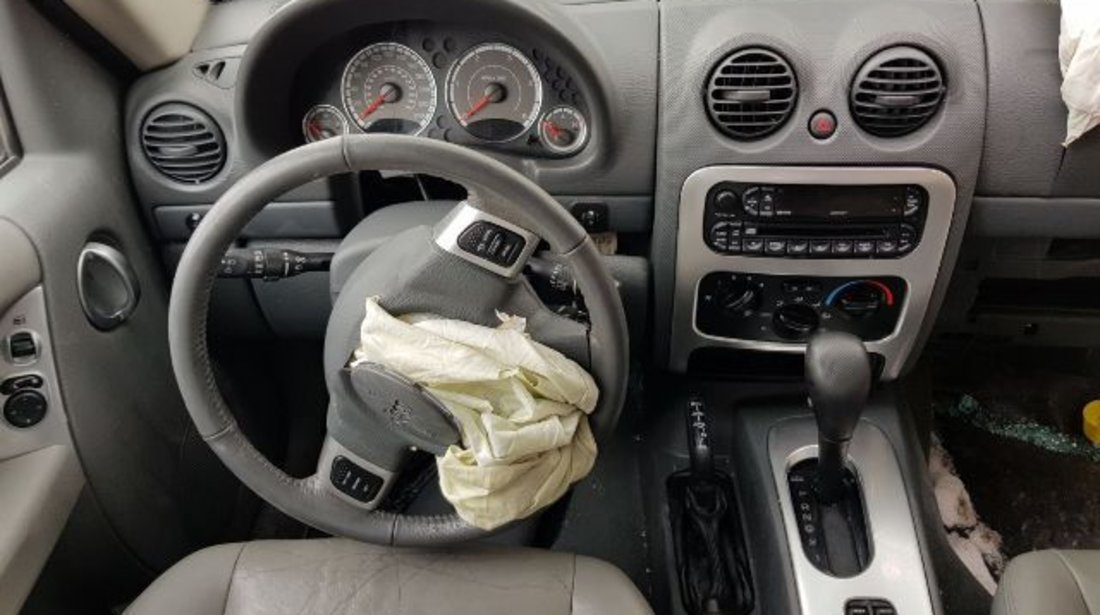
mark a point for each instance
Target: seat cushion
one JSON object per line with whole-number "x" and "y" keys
{"x": 1047, "y": 582}
{"x": 330, "y": 576}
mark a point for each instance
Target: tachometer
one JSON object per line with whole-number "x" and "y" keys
{"x": 495, "y": 92}
{"x": 388, "y": 87}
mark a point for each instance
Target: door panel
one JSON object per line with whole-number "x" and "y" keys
{"x": 125, "y": 420}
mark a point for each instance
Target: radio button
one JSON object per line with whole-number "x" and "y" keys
{"x": 820, "y": 247}
{"x": 865, "y": 247}
{"x": 887, "y": 248}
{"x": 720, "y": 235}
{"x": 914, "y": 200}
{"x": 751, "y": 201}
{"x": 842, "y": 246}
{"x": 776, "y": 246}
{"x": 767, "y": 203}
{"x": 734, "y": 247}
{"x": 798, "y": 247}
{"x": 754, "y": 245}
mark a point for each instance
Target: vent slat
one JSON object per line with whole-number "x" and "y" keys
{"x": 896, "y": 92}
{"x": 183, "y": 143}
{"x": 751, "y": 93}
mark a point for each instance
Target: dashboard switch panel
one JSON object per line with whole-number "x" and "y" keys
{"x": 774, "y": 308}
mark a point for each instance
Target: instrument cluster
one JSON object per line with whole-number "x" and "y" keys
{"x": 460, "y": 86}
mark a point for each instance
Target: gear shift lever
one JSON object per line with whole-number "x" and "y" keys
{"x": 838, "y": 372}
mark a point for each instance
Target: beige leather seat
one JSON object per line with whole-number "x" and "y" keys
{"x": 336, "y": 576}
{"x": 1049, "y": 582}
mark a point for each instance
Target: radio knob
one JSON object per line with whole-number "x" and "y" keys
{"x": 795, "y": 321}
{"x": 727, "y": 201}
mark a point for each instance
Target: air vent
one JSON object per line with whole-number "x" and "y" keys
{"x": 751, "y": 93}
{"x": 183, "y": 143}
{"x": 896, "y": 92}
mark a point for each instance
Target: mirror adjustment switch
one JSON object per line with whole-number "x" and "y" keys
{"x": 25, "y": 409}
{"x": 354, "y": 481}
{"x": 492, "y": 242}
{"x": 22, "y": 348}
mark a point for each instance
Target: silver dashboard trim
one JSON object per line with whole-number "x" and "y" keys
{"x": 897, "y": 570}
{"x": 919, "y": 268}
{"x": 461, "y": 217}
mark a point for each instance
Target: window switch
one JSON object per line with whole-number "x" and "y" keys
{"x": 22, "y": 348}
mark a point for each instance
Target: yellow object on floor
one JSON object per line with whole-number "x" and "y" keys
{"x": 1092, "y": 421}
{"x": 521, "y": 407}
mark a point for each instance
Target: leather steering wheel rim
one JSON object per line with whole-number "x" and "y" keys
{"x": 493, "y": 188}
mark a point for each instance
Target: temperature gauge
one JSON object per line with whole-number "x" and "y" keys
{"x": 323, "y": 122}
{"x": 563, "y": 130}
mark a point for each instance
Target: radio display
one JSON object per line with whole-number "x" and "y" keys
{"x": 809, "y": 202}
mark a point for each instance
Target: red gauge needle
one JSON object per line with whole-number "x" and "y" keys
{"x": 552, "y": 128}
{"x": 315, "y": 129}
{"x": 389, "y": 93}
{"x": 374, "y": 106}
{"x": 478, "y": 106}
{"x": 495, "y": 92}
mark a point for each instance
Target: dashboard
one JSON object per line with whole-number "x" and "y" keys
{"x": 681, "y": 126}
{"x": 453, "y": 83}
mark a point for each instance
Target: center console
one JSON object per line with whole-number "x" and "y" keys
{"x": 767, "y": 256}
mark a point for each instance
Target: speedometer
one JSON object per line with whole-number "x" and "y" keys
{"x": 388, "y": 87}
{"x": 495, "y": 92}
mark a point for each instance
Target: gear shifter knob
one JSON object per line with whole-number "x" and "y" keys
{"x": 838, "y": 373}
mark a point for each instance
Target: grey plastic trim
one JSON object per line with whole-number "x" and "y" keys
{"x": 9, "y": 146}
{"x": 919, "y": 268}
{"x": 1005, "y": 216}
{"x": 461, "y": 217}
{"x": 118, "y": 262}
{"x": 897, "y": 571}
{"x": 294, "y": 220}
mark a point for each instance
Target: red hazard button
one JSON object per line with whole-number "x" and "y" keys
{"x": 822, "y": 125}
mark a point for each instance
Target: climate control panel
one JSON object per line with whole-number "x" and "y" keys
{"x": 774, "y": 308}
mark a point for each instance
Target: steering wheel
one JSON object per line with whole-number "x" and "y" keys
{"x": 469, "y": 267}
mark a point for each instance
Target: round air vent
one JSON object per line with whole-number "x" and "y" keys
{"x": 751, "y": 93}
{"x": 183, "y": 143}
{"x": 896, "y": 92}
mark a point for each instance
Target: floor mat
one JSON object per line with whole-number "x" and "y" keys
{"x": 1038, "y": 486}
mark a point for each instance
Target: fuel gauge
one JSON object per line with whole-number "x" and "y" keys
{"x": 323, "y": 122}
{"x": 563, "y": 130}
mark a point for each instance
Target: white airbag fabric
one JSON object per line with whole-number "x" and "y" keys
{"x": 1079, "y": 55}
{"x": 521, "y": 406}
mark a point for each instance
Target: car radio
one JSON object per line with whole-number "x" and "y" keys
{"x": 814, "y": 221}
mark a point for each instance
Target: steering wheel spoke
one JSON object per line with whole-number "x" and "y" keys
{"x": 486, "y": 240}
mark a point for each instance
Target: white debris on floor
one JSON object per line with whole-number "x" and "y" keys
{"x": 976, "y": 544}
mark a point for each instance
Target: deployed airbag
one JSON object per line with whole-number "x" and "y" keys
{"x": 1079, "y": 55}
{"x": 522, "y": 408}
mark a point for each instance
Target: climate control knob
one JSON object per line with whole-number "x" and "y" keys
{"x": 795, "y": 321}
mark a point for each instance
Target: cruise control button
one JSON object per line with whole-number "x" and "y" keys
{"x": 865, "y": 247}
{"x": 776, "y": 246}
{"x": 355, "y": 482}
{"x": 494, "y": 243}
